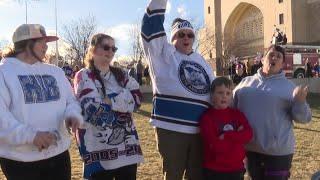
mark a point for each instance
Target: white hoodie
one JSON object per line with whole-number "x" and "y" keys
{"x": 33, "y": 98}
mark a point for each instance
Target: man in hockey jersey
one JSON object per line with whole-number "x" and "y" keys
{"x": 180, "y": 81}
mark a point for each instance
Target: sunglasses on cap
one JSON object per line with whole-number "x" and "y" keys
{"x": 182, "y": 35}
{"x": 107, "y": 48}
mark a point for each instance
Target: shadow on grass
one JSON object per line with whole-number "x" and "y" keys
{"x": 147, "y": 97}
{"x": 143, "y": 113}
{"x": 306, "y": 129}
{"x": 146, "y": 101}
{"x": 313, "y": 99}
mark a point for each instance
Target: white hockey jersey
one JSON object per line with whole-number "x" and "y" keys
{"x": 180, "y": 82}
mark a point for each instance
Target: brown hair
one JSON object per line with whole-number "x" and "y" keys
{"x": 277, "y": 48}
{"x": 88, "y": 61}
{"x": 220, "y": 81}
{"x": 20, "y": 47}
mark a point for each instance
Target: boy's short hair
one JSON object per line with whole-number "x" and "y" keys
{"x": 220, "y": 81}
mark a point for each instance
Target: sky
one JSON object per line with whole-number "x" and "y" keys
{"x": 113, "y": 16}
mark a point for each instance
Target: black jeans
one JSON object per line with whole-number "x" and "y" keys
{"x": 122, "y": 173}
{"x": 212, "y": 175}
{"x": 54, "y": 168}
{"x": 265, "y": 167}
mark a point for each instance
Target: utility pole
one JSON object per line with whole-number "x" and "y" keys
{"x": 56, "y": 20}
{"x": 26, "y": 3}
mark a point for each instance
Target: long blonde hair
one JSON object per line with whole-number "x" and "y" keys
{"x": 88, "y": 61}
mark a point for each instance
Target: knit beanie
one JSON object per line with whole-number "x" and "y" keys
{"x": 179, "y": 24}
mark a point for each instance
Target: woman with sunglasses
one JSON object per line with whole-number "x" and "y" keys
{"x": 37, "y": 106}
{"x": 271, "y": 103}
{"x": 108, "y": 140}
{"x": 181, "y": 81}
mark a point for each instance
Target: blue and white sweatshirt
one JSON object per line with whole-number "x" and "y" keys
{"x": 33, "y": 98}
{"x": 271, "y": 110}
{"x": 180, "y": 82}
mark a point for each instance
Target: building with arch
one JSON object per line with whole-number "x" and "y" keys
{"x": 242, "y": 28}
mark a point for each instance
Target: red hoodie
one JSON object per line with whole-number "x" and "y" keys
{"x": 224, "y": 155}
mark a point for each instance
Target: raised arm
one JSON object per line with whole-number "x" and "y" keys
{"x": 152, "y": 31}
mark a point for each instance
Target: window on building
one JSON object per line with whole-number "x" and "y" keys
{"x": 210, "y": 55}
{"x": 281, "y": 18}
{"x": 208, "y": 9}
{"x": 280, "y": 1}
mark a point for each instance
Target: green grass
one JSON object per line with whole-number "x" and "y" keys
{"x": 306, "y": 160}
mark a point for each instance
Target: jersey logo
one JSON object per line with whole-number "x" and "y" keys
{"x": 39, "y": 88}
{"x": 194, "y": 78}
{"x": 228, "y": 127}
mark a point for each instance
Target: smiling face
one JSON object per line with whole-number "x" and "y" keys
{"x": 183, "y": 41}
{"x": 272, "y": 62}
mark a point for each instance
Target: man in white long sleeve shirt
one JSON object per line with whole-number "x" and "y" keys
{"x": 180, "y": 80}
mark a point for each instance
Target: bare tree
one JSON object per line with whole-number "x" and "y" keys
{"x": 136, "y": 44}
{"x": 206, "y": 42}
{"x": 231, "y": 46}
{"x": 3, "y": 43}
{"x": 77, "y": 35}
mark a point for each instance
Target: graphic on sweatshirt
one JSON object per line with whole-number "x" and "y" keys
{"x": 193, "y": 77}
{"x": 39, "y": 88}
{"x": 113, "y": 128}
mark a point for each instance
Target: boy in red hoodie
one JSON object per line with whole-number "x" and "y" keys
{"x": 224, "y": 132}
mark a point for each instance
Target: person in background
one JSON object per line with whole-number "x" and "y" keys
{"x": 181, "y": 81}
{"x": 224, "y": 133}
{"x": 37, "y": 108}
{"x": 271, "y": 103}
{"x": 240, "y": 74}
{"x": 68, "y": 71}
{"x": 132, "y": 72}
{"x": 139, "y": 70}
{"x": 257, "y": 65}
{"x": 316, "y": 69}
{"x": 146, "y": 75}
{"x": 76, "y": 68}
{"x": 308, "y": 68}
{"x": 108, "y": 96}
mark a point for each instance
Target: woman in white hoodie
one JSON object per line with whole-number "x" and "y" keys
{"x": 37, "y": 107}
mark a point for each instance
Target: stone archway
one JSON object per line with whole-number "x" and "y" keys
{"x": 243, "y": 32}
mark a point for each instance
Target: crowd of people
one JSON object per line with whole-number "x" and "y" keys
{"x": 239, "y": 70}
{"x": 138, "y": 71}
{"x": 204, "y": 127}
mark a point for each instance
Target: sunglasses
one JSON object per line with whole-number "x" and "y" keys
{"x": 182, "y": 35}
{"x": 107, "y": 48}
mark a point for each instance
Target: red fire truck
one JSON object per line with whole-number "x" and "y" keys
{"x": 295, "y": 57}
